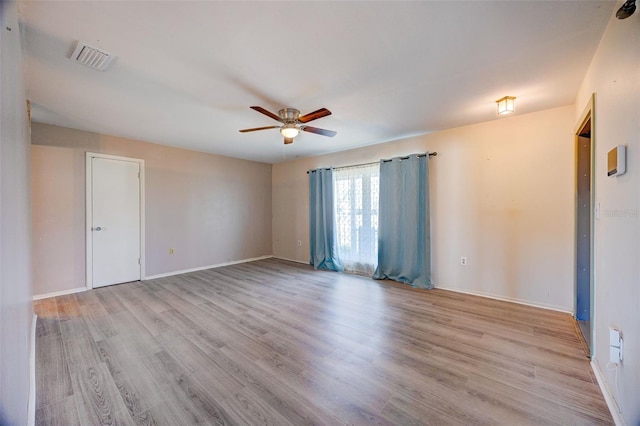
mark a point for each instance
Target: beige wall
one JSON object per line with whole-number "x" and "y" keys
{"x": 15, "y": 271}
{"x": 614, "y": 76}
{"x": 211, "y": 209}
{"x": 502, "y": 195}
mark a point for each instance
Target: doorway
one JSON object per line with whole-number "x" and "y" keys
{"x": 584, "y": 141}
{"x": 114, "y": 219}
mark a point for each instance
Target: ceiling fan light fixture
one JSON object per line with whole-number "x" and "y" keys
{"x": 289, "y": 131}
{"x": 506, "y": 105}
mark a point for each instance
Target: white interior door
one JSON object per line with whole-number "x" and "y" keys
{"x": 114, "y": 220}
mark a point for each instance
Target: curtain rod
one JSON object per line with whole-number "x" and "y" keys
{"x": 431, "y": 154}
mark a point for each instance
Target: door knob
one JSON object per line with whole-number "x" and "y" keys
{"x": 97, "y": 228}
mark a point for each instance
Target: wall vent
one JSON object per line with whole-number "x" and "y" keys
{"x": 91, "y": 56}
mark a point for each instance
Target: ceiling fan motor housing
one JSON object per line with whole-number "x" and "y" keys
{"x": 289, "y": 115}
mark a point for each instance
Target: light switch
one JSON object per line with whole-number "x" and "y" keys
{"x": 615, "y": 345}
{"x": 614, "y": 337}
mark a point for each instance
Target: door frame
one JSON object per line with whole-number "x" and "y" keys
{"x": 587, "y": 114}
{"x": 88, "y": 211}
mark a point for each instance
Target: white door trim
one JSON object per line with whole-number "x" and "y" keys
{"x": 88, "y": 208}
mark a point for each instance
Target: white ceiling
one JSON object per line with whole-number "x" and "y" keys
{"x": 187, "y": 72}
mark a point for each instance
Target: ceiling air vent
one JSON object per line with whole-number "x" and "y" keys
{"x": 91, "y": 56}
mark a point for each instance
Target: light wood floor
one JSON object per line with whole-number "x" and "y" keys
{"x": 272, "y": 342}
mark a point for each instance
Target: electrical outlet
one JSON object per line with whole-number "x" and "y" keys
{"x": 615, "y": 354}
{"x": 463, "y": 261}
{"x": 172, "y": 250}
{"x": 299, "y": 243}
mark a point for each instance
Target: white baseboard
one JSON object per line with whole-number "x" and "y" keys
{"x": 608, "y": 396}
{"x": 509, "y": 299}
{"x": 151, "y": 277}
{"x": 59, "y": 293}
{"x": 291, "y": 260}
{"x": 201, "y": 268}
{"x": 31, "y": 415}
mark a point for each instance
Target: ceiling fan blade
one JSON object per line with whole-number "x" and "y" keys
{"x": 287, "y": 141}
{"x": 322, "y": 112}
{"x": 267, "y": 113}
{"x": 318, "y": 131}
{"x": 258, "y": 128}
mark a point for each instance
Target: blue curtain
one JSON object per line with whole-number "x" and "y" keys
{"x": 404, "y": 238}
{"x": 322, "y": 235}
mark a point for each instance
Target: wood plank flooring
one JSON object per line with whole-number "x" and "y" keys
{"x": 273, "y": 342}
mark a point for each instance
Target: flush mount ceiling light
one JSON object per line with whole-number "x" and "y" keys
{"x": 506, "y": 105}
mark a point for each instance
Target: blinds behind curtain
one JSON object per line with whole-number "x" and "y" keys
{"x": 356, "y": 197}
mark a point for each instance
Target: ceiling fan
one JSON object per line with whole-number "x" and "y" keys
{"x": 293, "y": 122}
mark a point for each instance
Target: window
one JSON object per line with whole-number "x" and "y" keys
{"x": 356, "y": 192}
